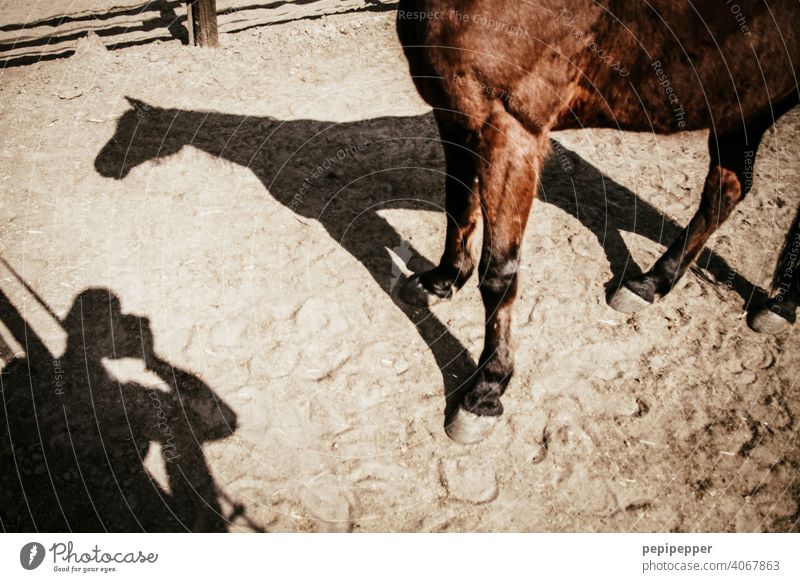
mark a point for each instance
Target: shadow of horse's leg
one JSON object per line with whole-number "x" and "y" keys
{"x": 604, "y": 207}
{"x": 619, "y": 257}
{"x": 452, "y": 358}
{"x": 723, "y": 273}
{"x": 778, "y": 312}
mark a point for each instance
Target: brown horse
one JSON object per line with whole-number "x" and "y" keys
{"x": 501, "y": 75}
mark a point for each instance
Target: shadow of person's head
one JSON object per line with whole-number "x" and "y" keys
{"x": 97, "y": 325}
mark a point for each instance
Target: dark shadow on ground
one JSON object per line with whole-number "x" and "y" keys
{"x": 168, "y": 16}
{"x": 341, "y": 174}
{"x": 372, "y": 6}
{"x": 607, "y": 208}
{"x": 73, "y": 438}
{"x": 150, "y": 16}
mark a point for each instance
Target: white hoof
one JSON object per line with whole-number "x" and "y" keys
{"x": 467, "y": 428}
{"x": 626, "y": 301}
{"x": 767, "y": 321}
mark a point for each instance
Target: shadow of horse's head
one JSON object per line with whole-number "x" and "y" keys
{"x": 136, "y": 139}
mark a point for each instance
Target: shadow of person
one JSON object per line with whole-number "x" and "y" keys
{"x": 75, "y": 438}
{"x": 342, "y": 174}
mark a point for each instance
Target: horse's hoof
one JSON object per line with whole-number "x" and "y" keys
{"x": 626, "y": 301}
{"x": 467, "y": 428}
{"x": 767, "y": 321}
{"x": 413, "y": 292}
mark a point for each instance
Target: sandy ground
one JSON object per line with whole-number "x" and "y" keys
{"x": 300, "y": 394}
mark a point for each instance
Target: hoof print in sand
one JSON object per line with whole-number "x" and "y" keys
{"x": 469, "y": 480}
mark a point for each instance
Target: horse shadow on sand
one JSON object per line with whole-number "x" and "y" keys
{"x": 342, "y": 174}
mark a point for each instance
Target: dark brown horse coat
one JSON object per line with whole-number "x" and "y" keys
{"x": 502, "y": 74}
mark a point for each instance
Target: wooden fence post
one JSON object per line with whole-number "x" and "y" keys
{"x": 202, "y": 22}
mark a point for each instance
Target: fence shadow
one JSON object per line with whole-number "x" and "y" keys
{"x": 155, "y": 16}
{"x": 166, "y": 19}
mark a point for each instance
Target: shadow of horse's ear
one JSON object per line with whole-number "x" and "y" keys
{"x": 138, "y": 105}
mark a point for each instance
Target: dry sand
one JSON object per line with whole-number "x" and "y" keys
{"x": 677, "y": 419}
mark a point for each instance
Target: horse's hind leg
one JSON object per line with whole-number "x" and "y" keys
{"x": 462, "y": 207}
{"x": 779, "y": 311}
{"x": 508, "y": 175}
{"x": 728, "y": 181}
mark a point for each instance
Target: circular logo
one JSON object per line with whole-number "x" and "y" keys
{"x": 31, "y": 555}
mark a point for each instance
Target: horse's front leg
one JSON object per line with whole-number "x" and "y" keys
{"x": 508, "y": 175}
{"x": 462, "y": 207}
